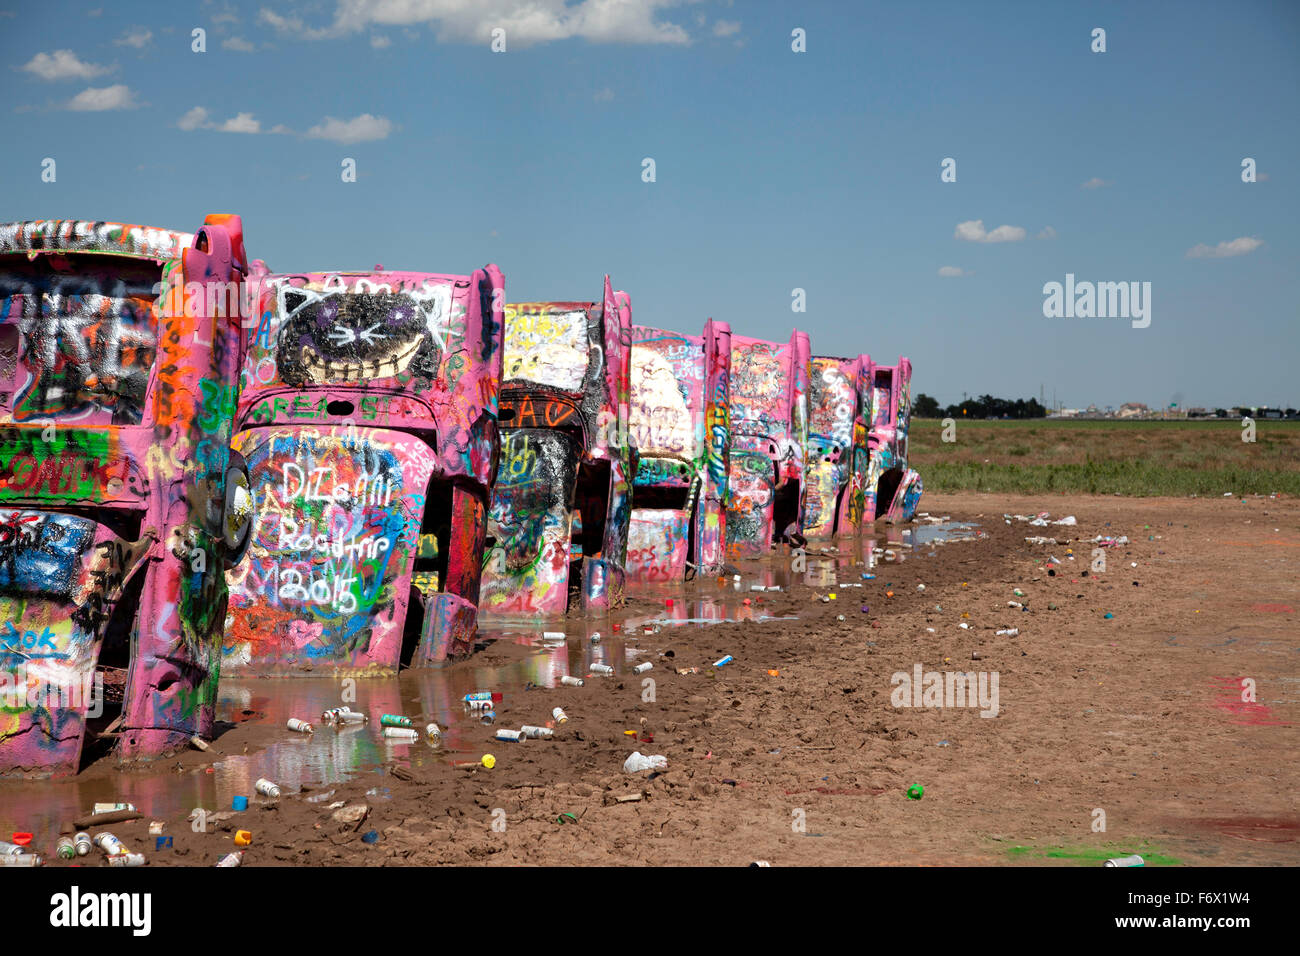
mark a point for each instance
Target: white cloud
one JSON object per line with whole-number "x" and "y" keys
{"x": 137, "y": 37}
{"x": 97, "y": 100}
{"x": 604, "y": 96}
{"x": 953, "y": 272}
{"x": 378, "y": 41}
{"x": 1096, "y": 183}
{"x": 63, "y": 65}
{"x": 525, "y": 21}
{"x": 240, "y": 123}
{"x": 1047, "y": 233}
{"x": 1225, "y": 250}
{"x": 200, "y": 118}
{"x": 726, "y": 28}
{"x": 238, "y": 44}
{"x": 359, "y": 129}
{"x": 196, "y": 118}
{"x": 973, "y": 231}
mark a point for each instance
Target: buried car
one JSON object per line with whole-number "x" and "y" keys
{"x": 120, "y": 502}
{"x": 560, "y": 503}
{"x": 679, "y": 425}
{"x": 837, "y": 459}
{"x": 368, "y": 418}
{"x": 769, "y": 385}
{"x": 891, "y": 488}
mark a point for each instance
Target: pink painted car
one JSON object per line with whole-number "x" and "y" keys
{"x": 679, "y": 422}
{"x": 119, "y": 498}
{"x": 560, "y": 503}
{"x": 368, "y": 418}
{"x": 769, "y": 397}
{"x": 892, "y": 488}
{"x": 838, "y": 456}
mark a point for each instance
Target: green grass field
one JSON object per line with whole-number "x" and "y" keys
{"x": 1108, "y": 457}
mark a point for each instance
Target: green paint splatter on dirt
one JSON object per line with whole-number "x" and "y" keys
{"x": 1150, "y": 856}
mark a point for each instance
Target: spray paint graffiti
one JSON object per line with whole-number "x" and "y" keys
{"x": 834, "y": 501}
{"x": 892, "y": 488}
{"x": 116, "y": 394}
{"x": 678, "y": 425}
{"x": 368, "y": 412}
{"x": 563, "y": 483}
{"x": 769, "y": 424}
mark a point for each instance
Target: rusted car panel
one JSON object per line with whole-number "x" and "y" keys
{"x": 118, "y": 356}
{"x": 679, "y": 428}
{"x": 563, "y": 483}
{"x": 368, "y": 416}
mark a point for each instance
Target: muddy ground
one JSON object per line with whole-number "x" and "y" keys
{"x": 1139, "y": 715}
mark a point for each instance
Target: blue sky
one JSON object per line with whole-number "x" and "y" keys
{"x": 775, "y": 170}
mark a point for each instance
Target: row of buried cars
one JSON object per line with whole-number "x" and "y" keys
{"x": 209, "y": 468}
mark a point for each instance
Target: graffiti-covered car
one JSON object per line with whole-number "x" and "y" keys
{"x": 120, "y": 504}
{"x": 368, "y": 419}
{"x": 560, "y": 503}
{"x": 892, "y": 488}
{"x": 678, "y": 421}
{"x": 769, "y": 428}
{"x": 837, "y": 458}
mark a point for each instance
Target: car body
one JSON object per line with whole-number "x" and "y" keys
{"x": 119, "y": 497}
{"x": 769, "y": 425}
{"x": 368, "y": 418}
{"x": 679, "y": 423}
{"x": 837, "y": 458}
{"x": 892, "y": 488}
{"x": 561, "y": 499}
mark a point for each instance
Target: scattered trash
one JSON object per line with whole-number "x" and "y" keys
{"x": 66, "y": 848}
{"x": 198, "y": 743}
{"x": 1108, "y": 615}
{"x": 231, "y": 859}
{"x": 401, "y": 733}
{"x": 555, "y": 636}
{"x": 488, "y": 717}
{"x": 394, "y": 720}
{"x": 372, "y": 836}
{"x": 1009, "y": 632}
{"x": 760, "y": 863}
{"x": 571, "y": 681}
{"x": 108, "y": 844}
{"x": 514, "y": 736}
{"x": 566, "y": 818}
{"x": 642, "y": 667}
{"x": 243, "y": 838}
{"x": 433, "y": 731}
{"x": 537, "y": 733}
{"x": 484, "y": 695}
{"x": 488, "y": 761}
{"x": 637, "y": 762}
{"x": 920, "y": 587}
{"x": 943, "y": 743}
{"x": 156, "y": 827}
{"x": 1133, "y": 860}
{"x": 351, "y": 814}
{"x": 915, "y": 791}
{"x": 301, "y": 726}
{"x": 602, "y": 669}
{"x": 725, "y": 661}
{"x": 559, "y": 715}
{"x": 162, "y": 843}
{"x": 82, "y": 842}
{"x": 127, "y": 859}
{"x": 239, "y": 803}
{"x": 266, "y": 788}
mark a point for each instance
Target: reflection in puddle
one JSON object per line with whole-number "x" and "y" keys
{"x": 555, "y": 649}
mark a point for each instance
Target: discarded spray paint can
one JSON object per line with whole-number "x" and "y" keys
{"x": 433, "y": 731}
{"x": 722, "y": 663}
{"x": 760, "y": 863}
{"x": 66, "y": 848}
{"x": 401, "y": 733}
{"x": 111, "y": 807}
{"x": 301, "y": 726}
{"x": 231, "y": 859}
{"x": 1010, "y": 631}
{"x": 553, "y": 635}
{"x": 394, "y": 720}
{"x": 342, "y": 715}
{"x": 127, "y": 859}
{"x": 472, "y": 705}
{"x": 572, "y": 681}
{"x": 488, "y": 717}
{"x": 537, "y": 733}
{"x": 514, "y": 736}
{"x": 109, "y": 844}
{"x": 642, "y": 668}
{"x": 10, "y": 849}
{"x": 604, "y": 669}
{"x": 1133, "y": 860}
{"x": 486, "y": 695}
{"x": 559, "y": 715}
{"x": 20, "y": 859}
{"x": 266, "y": 788}
{"x": 82, "y": 842}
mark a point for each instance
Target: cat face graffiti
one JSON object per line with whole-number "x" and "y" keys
{"x": 352, "y": 336}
